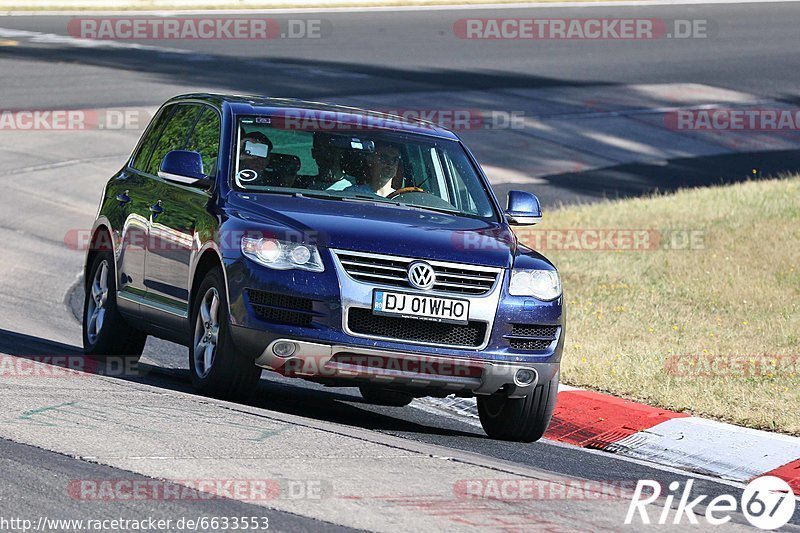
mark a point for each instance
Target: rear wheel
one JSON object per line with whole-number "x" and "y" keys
{"x": 519, "y": 419}
{"x": 218, "y": 369}
{"x": 379, "y": 396}
{"x": 105, "y": 331}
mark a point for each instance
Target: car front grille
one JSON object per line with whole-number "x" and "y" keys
{"x": 532, "y": 337}
{"x": 393, "y": 271}
{"x": 363, "y": 322}
{"x": 281, "y": 308}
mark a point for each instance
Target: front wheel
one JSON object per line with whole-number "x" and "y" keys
{"x": 519, "y": 419}
{"x": 105, "y": 331}
{"x": 218, "y": 369}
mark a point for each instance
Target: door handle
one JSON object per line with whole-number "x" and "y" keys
{"x": 156, "y": 209}
{"x": 123, "y": 198}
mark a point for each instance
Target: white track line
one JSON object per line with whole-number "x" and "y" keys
{"x": 473, "y": 421}
{"x": 700, "y": 452}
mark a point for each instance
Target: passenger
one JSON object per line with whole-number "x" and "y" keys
{"x": 258, "y": 158}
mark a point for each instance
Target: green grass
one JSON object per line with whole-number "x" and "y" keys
{"x": 630, "y": 313}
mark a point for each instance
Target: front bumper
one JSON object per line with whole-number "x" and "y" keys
{"x": 325, "y": 343}
{"x": 409, "y": 371}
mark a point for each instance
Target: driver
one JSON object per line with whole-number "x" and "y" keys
{"x": 381, "y": 170}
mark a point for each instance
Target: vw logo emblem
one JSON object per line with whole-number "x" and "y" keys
{"x": 421, "y": 275}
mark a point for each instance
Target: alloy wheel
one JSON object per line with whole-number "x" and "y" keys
{"x": 206, "y": 332}
{"x": 98, "y": 303}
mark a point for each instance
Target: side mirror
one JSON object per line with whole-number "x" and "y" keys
{"x": 184, "y": 167}
{"x": 523, "y": 209}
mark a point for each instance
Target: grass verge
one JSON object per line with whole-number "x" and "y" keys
{"x": 713, "y": 329}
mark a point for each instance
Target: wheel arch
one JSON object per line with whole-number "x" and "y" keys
{"x": 101, "y": 240}
{"x": 207, "y": 259}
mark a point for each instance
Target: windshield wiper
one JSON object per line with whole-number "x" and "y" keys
{"x": 296, "y": 194}
{"x": 435, "y": 209}
{"x": 367, "y": 198}
{"x": 364, "y": 198}
{"x": 318, "y": 195}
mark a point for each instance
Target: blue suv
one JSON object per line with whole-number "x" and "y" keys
{"x": 328, "y": 243}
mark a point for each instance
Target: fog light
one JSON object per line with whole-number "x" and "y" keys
{"x": 524, "y": 377}
{"x": 284, "y": 348}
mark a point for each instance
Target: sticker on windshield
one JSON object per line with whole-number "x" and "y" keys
{"x": 247, "y": 175}
{"x": 254, "y": 149}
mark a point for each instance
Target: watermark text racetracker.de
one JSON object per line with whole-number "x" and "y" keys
{"x": 612, "y": 239}
{"x": 740, "y": 119}
{"x": 68, "y": 366}
{"x": 137, "y": 119}
{"x": 351, "y": 365}
{"x": 196, "y": 28}
{"x": 733, "y": 366}
{"x": 582, "y": 29}
{"x": 522, "y": 489}
{"x": 247, "y": 490}
{"x": 184, "y": 523}
{"x": 586, "y": 239}
{"x": 571, "y": 239}
{"x": 162, "y": 238}
{"x": 452, "y": 119}
{"x": 21, "y": 120}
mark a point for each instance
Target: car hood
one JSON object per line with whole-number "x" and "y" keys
{"x": 383, "y": 229}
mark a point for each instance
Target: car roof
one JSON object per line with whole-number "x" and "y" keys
{"x": 309, "y": 112}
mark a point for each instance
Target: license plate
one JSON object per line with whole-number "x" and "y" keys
{"x": 418, "y": 306}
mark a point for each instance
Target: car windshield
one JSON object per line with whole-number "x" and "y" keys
{"x": 364, "y": 165}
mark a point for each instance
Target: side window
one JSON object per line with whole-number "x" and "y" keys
{"x": 146, "y": 147}
{"x": 458, "y": 167}
{"x": 205, "y": 140}
{"x": 174, "y": 136}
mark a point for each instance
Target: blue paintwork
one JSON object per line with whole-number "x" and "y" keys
{"x": 326, "y": 327}
{"x": 372, "y": 227}
{"x": 183, "y": 163}
{"x": 357, "y": 226}
{"x": 523, "y": 204}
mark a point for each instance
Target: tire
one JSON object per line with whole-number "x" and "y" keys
{"x": 379, "y": 396}
{"x": 105, "y": 331}
{"x": 217, "y": 368}
{"x": 519, "y": 419}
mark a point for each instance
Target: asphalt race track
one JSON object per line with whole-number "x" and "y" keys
{"x": 56, "y": 431}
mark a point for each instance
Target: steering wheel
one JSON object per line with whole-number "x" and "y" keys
{"x": 404, "y": 190}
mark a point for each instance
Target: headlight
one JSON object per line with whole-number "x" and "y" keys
{"x": 541, "y": 284}
{"x": 282, "y": 255}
